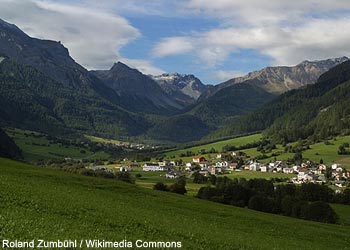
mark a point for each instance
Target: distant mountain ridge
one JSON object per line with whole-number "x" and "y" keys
{"x": 137, "y": 92}
{"x": 184, "y": 88}
{"x": 316, "y": 112}
{"x": 280, "y": 79}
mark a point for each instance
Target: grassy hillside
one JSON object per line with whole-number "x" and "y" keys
{"x": 239, "y": 141}
{"x": 328, "y": 152}
{"x": 36, "y": 146}
{"x": 78, "y": 207}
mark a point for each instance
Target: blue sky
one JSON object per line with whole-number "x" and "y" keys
{"x": 214, "y": 40}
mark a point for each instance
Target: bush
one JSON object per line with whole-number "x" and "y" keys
{"x": 206, "y": 193}
{"x": 262, "y": 203}
{"x": 322, "y": 212}
{"x": 179, "y": 187}
{"x": 124, "y": 176}
{"x": 199, "y": 178}
{"x": 160, "y": 186}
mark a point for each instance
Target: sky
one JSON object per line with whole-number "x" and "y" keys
{"x": 214, "y": 40}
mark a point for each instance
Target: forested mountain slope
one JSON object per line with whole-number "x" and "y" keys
{"x": 316, "y": 111}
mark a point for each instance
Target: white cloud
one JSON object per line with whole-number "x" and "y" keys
{"x": 172, "y": 46}
{"x": 93, "y": 35}
{"x": 224, "y": 75}
{"x": 257, "y": 12}
{"x": 143, "y": 65}
{"x": 288, "y": 32}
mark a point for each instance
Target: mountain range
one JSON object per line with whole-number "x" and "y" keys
{"x": 314, "y": 112}
{"x": 223, "y": 103}
{"x": 42, "y": 88}
{"x": 186, "y": 89}
{"x": 137, "y": 92}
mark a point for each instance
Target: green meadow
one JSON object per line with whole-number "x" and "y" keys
{"x": 328, "y": 152}
{"x": 239, "y": 141}
{"x": 49, "y": 204}
{"x": 36, "y": 146}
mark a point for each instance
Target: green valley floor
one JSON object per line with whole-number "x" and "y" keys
{"x": 37, "y": 203}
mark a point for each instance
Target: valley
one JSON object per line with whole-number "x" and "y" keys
{"x": 259, "y": 161}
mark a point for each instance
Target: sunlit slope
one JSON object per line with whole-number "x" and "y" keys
{"x": 48, "y": 204}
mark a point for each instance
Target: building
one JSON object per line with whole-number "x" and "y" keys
{"x": 335, "y": 166}
{"x": 163, "y": 163}
{"x": 233, "y": 166}
{"x": 154, "y": 167}
{"x": 173, "y": 175}
{"x": 221, "y": 164}
{"x": 125, "y": 169}
{"x": 188, "y": 166}
{"x": 264, "y": 169}
{"x": 288, "y": 170}
{"x": 101, "y": 168}
{"x": 198, "y": 159}
{"x": 254, "y": 166}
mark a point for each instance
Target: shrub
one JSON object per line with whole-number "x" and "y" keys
{"x": 262, "y": 203}
{"x": 178, "y": 187}
{"x": 199, "y": 178}
{"x": 160, "y": 186}
{"x": 124, "y": 176}
{"x": 206, "y": 193}
{"x": 322, "y": 211}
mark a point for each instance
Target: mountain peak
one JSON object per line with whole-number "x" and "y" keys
{"x": 120, "y": 67}
{"x": 186, "y": 88}
{"x": 336, "y": 60}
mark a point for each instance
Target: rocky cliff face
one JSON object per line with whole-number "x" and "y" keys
{"x": 184, "y": 88}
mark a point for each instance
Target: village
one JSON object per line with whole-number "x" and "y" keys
{"x": 306, "y": 172}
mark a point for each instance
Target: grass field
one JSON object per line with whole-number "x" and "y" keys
{"x": 328, "y": 152}
{"x": 343, "y": 212}
{"x": 47, "y": 204}
{"x": 257, "y": 174}
{"x": 318, "y": 151}
{"x": 217, "y": 145}
{"x": 102, "y": 140}
{"x": 35, "y": 147}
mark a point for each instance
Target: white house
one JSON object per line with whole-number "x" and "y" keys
{"x": 163, "y": 163}
{"x": 234, "y": 154}
{"x": 263, "y": 169}
{"x": 254, "y": 166}
{"x": 335, "y": 166}
{"x": 221, "y": 164}
{"x": 296, "y": 168}
{"x": 218, "y": 156}
{"x": 154, "y": 167}
{"x": 125, "y": 169}
{"x": 173, "y": 175}
{"x": 288, "y": 170}
{"x": 322, "y": 167}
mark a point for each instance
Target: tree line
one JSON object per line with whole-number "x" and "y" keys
{"x": 308, "y": 201}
